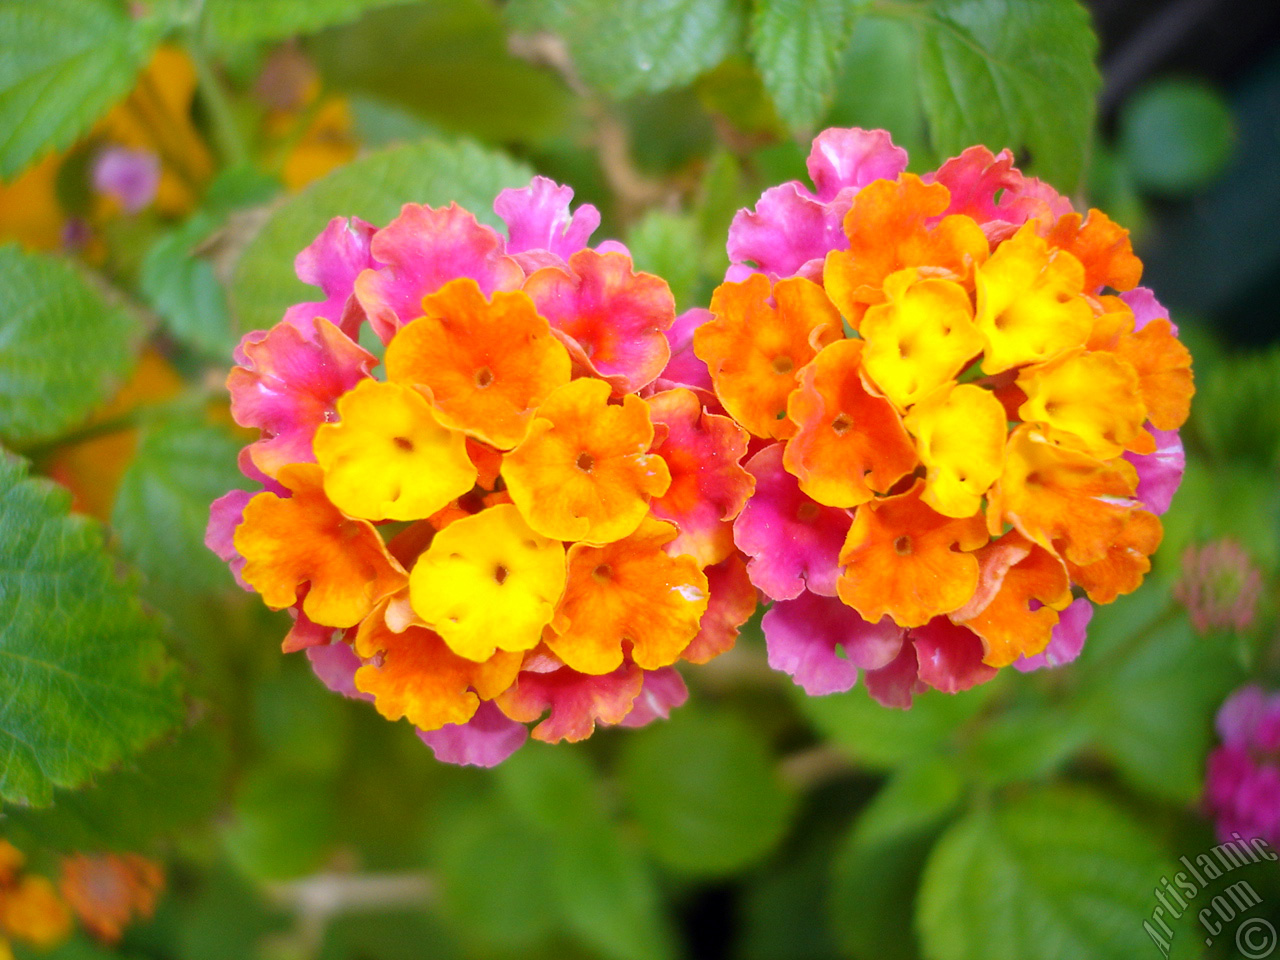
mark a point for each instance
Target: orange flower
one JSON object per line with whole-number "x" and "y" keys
{"x": 584, "y": 471}
{"x": 1015, "y": 572}
{"x": 754, "y": 350}
{"x": 709, "y": 485}
{"x": 487, "y": 363}
{"x": 31, "y": 910}
{"x": 1092, "y": 398}
{"x": 888, "y": 232}
{"x": 1164, "y": 372}
{"x": 417, "y": 676}
{"x": 1052, "y": 493}
{"x": 899, "y": 560}
{"x": 388, "y": 458}
{"x": 288, "y": 542}
{"x": 1125, "y": 564}
{"x": 628, "y": 593}
{"x": 488, "y": 582}
{"x": 850, "y": 441}
{"x": 109, "y": 891}
{"x": 1102, "y": 246}
{"x": 1029, "y": 302}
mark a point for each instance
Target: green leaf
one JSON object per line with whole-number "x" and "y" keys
{"x": 182, "y": 287}
{"x": 374, "y": 187}
{"x": 242, "y": 21}
{"x": 1151, "y": 692}
{"x": 705, "y": 791}
{"x": 667, "y": 244}
{"x": 63, "y": 348}
{"x": 882, "y": 738}
{"x": 171, "y": 786}
{"x": 495, "y": 882}
{"x": 1176, "y": 135}
{"x": 915, "y": 798}
{"x": 798, "y": 45}
{"x": 283, "y": 823}
{"x": 1054, "y": 874}
{"x": 63, "y": 63}
{"x": 162, "y": 506}
{"x": 1026, "y": 743}
{"x": 873, "y": 892}
{"x": 1010, "y": 73}
{"x": 626, "y": 47}
{"x": 85, "y": 683}
{"x": 879, "y": 86}
{"x": 412, "y": 56}
{"x": 604, "y": 891}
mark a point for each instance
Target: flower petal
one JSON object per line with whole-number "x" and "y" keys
{"x": 806, "y": 637}
{"x": 485, "y": 740}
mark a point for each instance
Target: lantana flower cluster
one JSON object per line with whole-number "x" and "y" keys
{"x": 963, "y": 412}
{"x": 510, "y": 511}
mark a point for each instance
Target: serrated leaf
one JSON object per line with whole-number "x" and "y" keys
{"x": 243, "y": 21}
{"x": 63, "y": 63}
{"x": 171, "y": 786}
{"x": 1054, "y": 874}
{"x": 162, "y": 506}
{"x": 85, "y": 682}
{"x": 1025, "y": 743}
{"x": 705, "y": 791}
{"x": 374, "y": 187}
{"x": 63, "y": 348}
{"x": 798, "y": 45}
{"x": 626, "y": 47}
{"x": 1010, "y": 73}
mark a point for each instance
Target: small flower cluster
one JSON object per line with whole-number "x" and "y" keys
{"x": 962, "y": 406}
{"x": 526, "y": 515}
{"x": 1220, "y": 586}
{"x": 1242, "y": 793}
{"x": 31, "y": 911}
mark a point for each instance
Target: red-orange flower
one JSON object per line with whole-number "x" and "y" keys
{"x": 851, "y": 442}
{"x": 1102, "y": 246}
{"x": 1016, "y": 574}
{"x": 754, "y": 349}
{"x": 487, "y": 363}
{"x": 709, "y": 485}
{"x": 584, "y": 472}
{"x": 888, "y": 231}
{"x": 304, "y": 539}
{"x": 416, "y": 675}
{"x": 900, "y": 560}
{"x": 108, "y": 892}
{"x": 630, "y": 595}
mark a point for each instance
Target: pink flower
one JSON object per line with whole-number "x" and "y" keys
{"x": 1242, "y": 782}
{"x": 1220, "y": 586}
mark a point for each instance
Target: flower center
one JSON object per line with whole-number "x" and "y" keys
{"x": 484, "y": 377}
{"x": 404, "y": 443}
{"x": 783, "y": 365}
{"x": 585, "y": 462}
{"x": 807, "y": 512}
{"x": 500, "y": 574}
{"x": 902, "y": 545}
{"x": 841, "y": 425}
